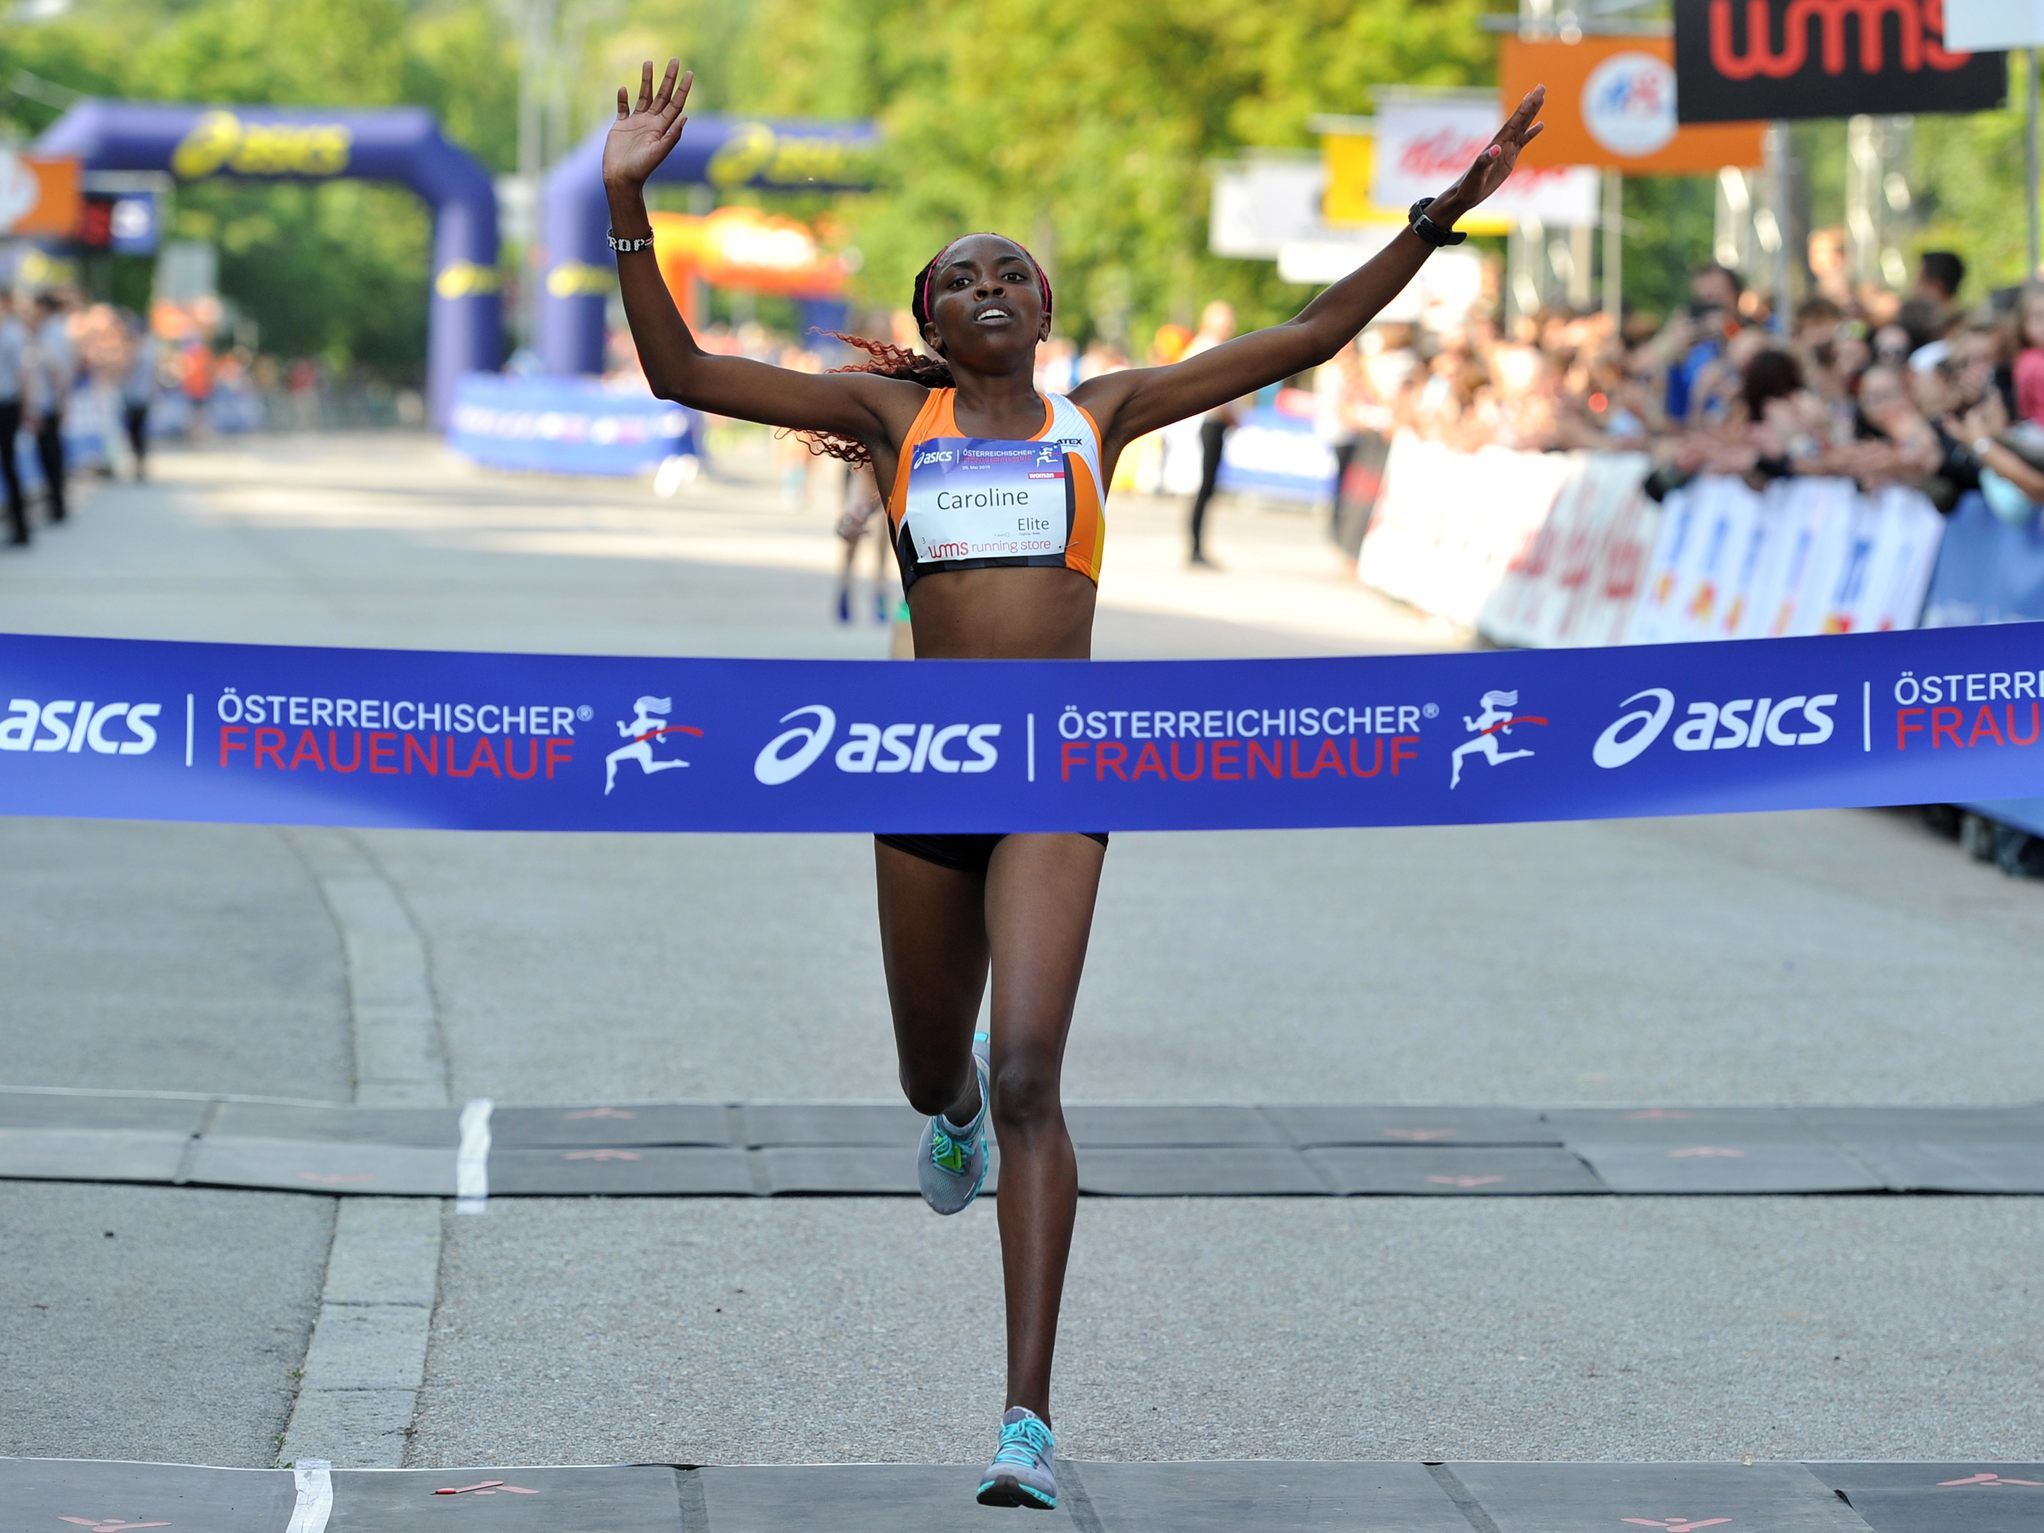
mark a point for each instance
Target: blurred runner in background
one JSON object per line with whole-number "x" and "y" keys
{"x": 138, "y": 387}
{"x": 1216, "y": 324}
{"x": 861, "y": 522}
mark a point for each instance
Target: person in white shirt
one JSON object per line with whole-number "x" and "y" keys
{"x": 53, "y": 371}
{"x": 13, "y": 386}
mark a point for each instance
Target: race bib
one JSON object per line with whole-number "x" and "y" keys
{"x": 972, "y": 498}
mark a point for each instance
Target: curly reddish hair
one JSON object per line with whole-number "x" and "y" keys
{"x": 898, "y": 361}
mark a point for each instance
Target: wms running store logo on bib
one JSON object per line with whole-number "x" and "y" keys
{"x": 1741, "y": 724}
{"x": 649, "y": 741}
{"x": 874, "y": 748}
{"x": 72, "y": 726}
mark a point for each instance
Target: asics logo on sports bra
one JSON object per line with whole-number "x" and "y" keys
{"x": 927, "y": 455}
{"x": 1744, "y": 722}
{"x": 882, "y": 748}
{"x": 74, "y": 726}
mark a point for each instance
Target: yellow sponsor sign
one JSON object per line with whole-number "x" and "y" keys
{"x": 221, "y": 141}
{"x": 1351, "y": 163}
{"x": 40, "y": 269}
{"x": 755, "y": 153}
{"x": 578, "y": 279}
{"x": 465, "y": 279}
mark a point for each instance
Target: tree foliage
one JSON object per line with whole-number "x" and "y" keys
{"x": 1086, "y": 128}
{"x": 333, "y": 270}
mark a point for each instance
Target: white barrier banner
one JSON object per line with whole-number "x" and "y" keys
{"x": 1557, "y": 550}
{"x": 1450, "y": 525}
{"x": 1575, "y": 583}
{"x": 1905, "y": 553}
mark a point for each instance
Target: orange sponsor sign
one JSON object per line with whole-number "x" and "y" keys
{"x": 38, "y": 196}
{"x": 1611, "y": 102}
{"x": 742, "y": 248}
{"x": 745, "y": 248}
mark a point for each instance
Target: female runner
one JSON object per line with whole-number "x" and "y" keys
{"x": 951, "y": 907}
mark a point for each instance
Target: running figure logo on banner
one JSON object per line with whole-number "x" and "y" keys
{"x": 1496, "y": 719}
{"x": 649, "y": 724}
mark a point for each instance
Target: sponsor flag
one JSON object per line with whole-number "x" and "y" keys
{"x": 1426, "y": 141}
{"x": 1744, "y": 59}
{"x": 1977, "y": 24}
{"x": 1612, "y": 101}
{"x": 38, "y": 195}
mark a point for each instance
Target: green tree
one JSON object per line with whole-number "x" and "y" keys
{"x": 1086, "y": 127}
{"x": 335, "y": 270}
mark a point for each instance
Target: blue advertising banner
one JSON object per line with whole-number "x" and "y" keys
{"x": 135, "y": 224}
{"x": 136, "y": 729}
{"x": 568, "y": 426}
{"x": 1990, "y": 571}
{"x": 1275, "y": 451}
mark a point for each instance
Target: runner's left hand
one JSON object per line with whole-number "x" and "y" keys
{"x": 1496, "y": 161}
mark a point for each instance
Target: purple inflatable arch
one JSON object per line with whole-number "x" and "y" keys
{"x": 726, "y": 152}
{"x": 401, "y": 144}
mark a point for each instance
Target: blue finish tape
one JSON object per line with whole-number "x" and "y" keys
{"x": 134, "y": 729}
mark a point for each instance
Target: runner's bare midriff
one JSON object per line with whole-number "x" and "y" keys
{"x": 1003, "y": 614}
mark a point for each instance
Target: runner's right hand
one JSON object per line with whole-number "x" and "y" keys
{"x": 645, "y": 131}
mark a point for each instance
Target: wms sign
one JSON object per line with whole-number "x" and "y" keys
{"x": 1742, "y": 60}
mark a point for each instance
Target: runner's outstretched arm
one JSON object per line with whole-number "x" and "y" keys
{"x": 677, "y": 368}
{"x": 1130, "y": 403}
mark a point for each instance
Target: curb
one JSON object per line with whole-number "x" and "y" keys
{"x": 366, "y": 1361}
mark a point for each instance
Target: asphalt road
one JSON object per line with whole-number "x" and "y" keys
{"x": 1844, "y": 957}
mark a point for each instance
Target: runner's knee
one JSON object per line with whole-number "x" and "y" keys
{"x": 1025, "y": 1091}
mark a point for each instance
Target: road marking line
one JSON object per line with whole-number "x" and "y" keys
{"x": 315, "y": 1505}
{"x": 472, "y": 1164}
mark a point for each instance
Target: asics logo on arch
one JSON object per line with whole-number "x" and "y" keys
{"x": 1742, "y": 723}
{"x": 874, "y": 748}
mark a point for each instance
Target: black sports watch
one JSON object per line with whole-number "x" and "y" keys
{"x": 1430, "y": 231}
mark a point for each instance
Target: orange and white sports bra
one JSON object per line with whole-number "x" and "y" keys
{"x": 974, "y": 503}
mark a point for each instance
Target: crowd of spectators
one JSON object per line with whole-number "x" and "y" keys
{"x": 1921, "y": 388}
{"x": 1934, "y": 387}
{"x": 87, "y": 388}
{"x": 53, "y": 351}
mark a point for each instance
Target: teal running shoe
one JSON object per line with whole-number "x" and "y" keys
{"x": 1024, "y": 1471}
{"x": 951, "y": 1164}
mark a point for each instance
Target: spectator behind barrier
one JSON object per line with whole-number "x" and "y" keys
{"x": 1880, "y": 388}
{"x": 2029, "y": 361}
